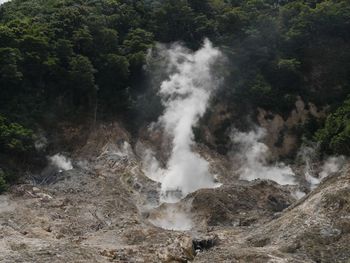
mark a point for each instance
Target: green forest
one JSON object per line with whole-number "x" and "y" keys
{"x": 80, "y": 60}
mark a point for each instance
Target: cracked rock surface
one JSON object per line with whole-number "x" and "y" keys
{"x": 103, "y": 209}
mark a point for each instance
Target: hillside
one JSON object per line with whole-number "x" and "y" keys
{"x": 106, "y": 210}
{"x": 174, "y": 131}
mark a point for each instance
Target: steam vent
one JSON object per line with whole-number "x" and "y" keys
{"x": 164, "y": 131}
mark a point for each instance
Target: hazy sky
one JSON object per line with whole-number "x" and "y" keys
{"x": 3, "y": 1}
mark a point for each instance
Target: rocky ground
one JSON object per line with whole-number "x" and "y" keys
{"x": 106, "y": 210}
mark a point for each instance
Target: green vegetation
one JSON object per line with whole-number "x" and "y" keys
{"x": 16, "y": 143}
{"x": 71, "y": 57}
{"x": 335, "y": 136}
{"x": 3, "y": 184}
{"x": 14, "y": 138}
{"x": 82, "y": 59}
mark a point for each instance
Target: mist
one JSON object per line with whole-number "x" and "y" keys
{"x": 173, "y": 218}
{"x": 61, "y": 162}
{"x": 331, "y": 165}
{"x": 185, "y": 96}
{"x": 253, "y": 156}
{"x": 315, "y": 170}
{"x": 151, "y": 166}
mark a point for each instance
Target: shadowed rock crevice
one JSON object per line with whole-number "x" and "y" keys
{"x": 106, "y": 210}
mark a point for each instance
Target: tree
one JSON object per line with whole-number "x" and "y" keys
{"x": 82, "y": 41}
{"x": 9, "y": 71}
{"x": 82, "y": 81}
{"x": 106, "y": 40}
{"x": 7, "y": 37}
{"x": 335, "y": 136}
{"x": 112, "y": 80}
{"x": 136, "y": 44}
{"x": 14, "y": 138}
{"x": 3, "y": 184}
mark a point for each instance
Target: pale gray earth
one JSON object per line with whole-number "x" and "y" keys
{"x": 103, "y": 210}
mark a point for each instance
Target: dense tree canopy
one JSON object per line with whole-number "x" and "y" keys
{"x": 335, "y": 136}
{"x": 279, "y": 49}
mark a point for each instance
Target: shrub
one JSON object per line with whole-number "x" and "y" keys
{"x": 335, "y": 136}
{"x": 3, "y": 185}
{"x": 14, "y": 137}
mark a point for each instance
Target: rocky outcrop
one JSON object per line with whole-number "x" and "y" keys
{"x": 241, "y": 204}
{"x": 318, "y": 227}
{"x": 314, "y": 229}
{"x": 106, "y": 210}
{"x": 281, "y": 138}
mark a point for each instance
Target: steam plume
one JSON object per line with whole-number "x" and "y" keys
{"x": 61, "y": 162}
{"x": 254, "y": 154}
{"x": 185, "y": 95}
{"x": 173, "y": 218}
{"x": 330, "y": 165}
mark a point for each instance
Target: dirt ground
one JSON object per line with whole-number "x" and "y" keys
{"x": 106, "y": 210}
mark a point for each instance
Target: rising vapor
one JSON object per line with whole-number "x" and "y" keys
{"x": 253, "y": 155}
{"x": 62, "y": 162}
{"x": 329, "y": 166}
{"x": 185, "y": 96}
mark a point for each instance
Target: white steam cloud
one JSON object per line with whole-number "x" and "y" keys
{"x": 61, "y": 162}
{"x": 151, "y": 166}
{"x": 329, "y": 166}
{"x": 173, "y": 218}
{"x": 308, "y": 156}
{"x": 3, "y": 1}
{"x": 253, "y": 156}
{"x": 185, "y": 96}
{"x": 332, "y": 165}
